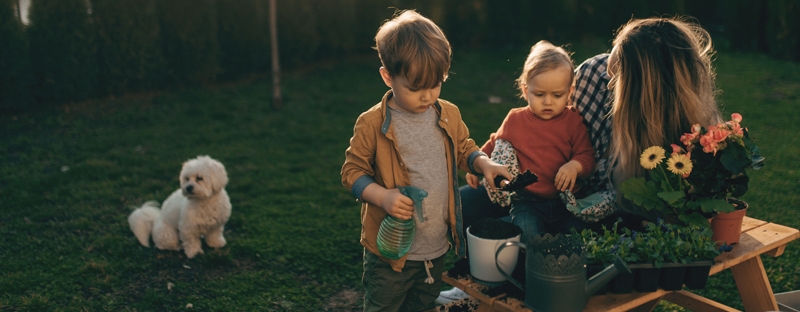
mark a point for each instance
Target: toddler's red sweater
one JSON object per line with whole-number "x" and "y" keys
{"x": 543, "y": 146}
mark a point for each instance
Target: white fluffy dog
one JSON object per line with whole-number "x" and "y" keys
{"x": 201, "y": 207}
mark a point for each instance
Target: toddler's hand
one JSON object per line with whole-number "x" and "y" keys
{"x": 565, "y": 178}
{"x": 398, "y": 205}
{"x": 472, "y": 180}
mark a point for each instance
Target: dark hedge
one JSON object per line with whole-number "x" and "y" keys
{"x": 62, "y": 50}
{"x": 16, "y": 76}
{"x": 189, "y": 40}
{"x": 128, "y": 46}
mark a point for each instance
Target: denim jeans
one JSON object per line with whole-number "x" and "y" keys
{"x": 537, "y": 215}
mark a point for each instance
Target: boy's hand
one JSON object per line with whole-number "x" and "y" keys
{"x": 397, "y": 205}
{"x": 565, "y": 178}
{"x": 490, "y": 169}
{"x": 472, "y": 180}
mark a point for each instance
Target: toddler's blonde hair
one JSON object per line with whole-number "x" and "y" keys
{"x": 544, "y": 56}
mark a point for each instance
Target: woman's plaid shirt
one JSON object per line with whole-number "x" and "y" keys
{"x": 593, "y": 100}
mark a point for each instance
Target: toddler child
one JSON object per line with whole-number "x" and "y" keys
{"x": 550, "y": 140}
{"x": 411, "y": 138}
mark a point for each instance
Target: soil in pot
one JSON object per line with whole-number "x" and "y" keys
{"x": 491, "y": 228}
{"x": 488, "y": 264}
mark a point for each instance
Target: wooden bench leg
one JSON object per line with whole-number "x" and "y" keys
{"x": 754, "y": 287}
{"x": 696, "y": 303}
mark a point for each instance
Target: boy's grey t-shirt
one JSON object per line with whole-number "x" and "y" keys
{"x": 421, "y": 141}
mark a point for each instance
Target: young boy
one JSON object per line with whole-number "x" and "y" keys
{"x": 411, "y": 138}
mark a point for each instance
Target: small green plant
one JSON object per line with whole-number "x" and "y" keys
{"x": 661, "y": 243}
{"x": 603, "y": 249}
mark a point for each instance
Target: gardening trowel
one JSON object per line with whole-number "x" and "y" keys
{"x": 519, "y": 181}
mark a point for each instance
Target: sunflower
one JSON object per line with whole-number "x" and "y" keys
{"x": 679, "y": 164}
{"x": 652, "y": 157}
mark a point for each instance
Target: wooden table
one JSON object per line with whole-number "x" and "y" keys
{"x": 758, "y": 237}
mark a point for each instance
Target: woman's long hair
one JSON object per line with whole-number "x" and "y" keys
{"x": 663, "y": 83}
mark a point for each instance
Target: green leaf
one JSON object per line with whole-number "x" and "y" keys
{"x": 671, "y": 197}
{"x": 735, "y": 158}
{"x": 695, "y": 218}
{"x": 666, "y": 186}
{"x": 738, "y": 185}
{"x": 642, "y": 193}
{"x": 718, "y": 205}
{"x": 659, "y": 172}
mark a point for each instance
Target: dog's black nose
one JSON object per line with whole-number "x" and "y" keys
{"x": 189, "y": 189}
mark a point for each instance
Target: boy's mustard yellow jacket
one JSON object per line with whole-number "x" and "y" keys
{"x": 373, "y": 158}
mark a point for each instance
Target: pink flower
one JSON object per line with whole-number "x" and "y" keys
{"x": 736, "y": 117}
{"x": 696, "y": 128}
{"x": 719, "y": 134}
{"x": 736, "y": 129}
{"x": 687, "y": 138}
{"x": 708, "y": 143}
{"x": 675, "y": 149}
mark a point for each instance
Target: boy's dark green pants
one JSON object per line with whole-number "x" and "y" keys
{"x": 388, "y": 290}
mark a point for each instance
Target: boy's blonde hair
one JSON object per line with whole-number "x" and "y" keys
{"x": 412, "y": 46}
{"x": 663, "y": 84}
{"x": 544, "y": 56}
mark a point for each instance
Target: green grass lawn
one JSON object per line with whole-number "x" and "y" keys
{"x": 70, "y": 176}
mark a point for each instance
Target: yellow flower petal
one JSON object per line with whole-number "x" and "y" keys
{"x": 652, "y": 157}
{"x": 679, "y": 164}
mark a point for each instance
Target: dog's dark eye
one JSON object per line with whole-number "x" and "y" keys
{"x": 187, "y": 179}
{"x": 199, "y": 178}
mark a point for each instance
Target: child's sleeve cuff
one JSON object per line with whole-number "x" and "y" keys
{"x": 361, "y": 183}
{"x": 471, "y": 160}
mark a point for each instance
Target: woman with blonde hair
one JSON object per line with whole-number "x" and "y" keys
{"x": 659, "y": 81}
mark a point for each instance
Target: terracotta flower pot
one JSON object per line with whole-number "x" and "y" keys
{"x": 727, "y": 227}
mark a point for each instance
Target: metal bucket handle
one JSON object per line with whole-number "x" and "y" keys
{"x": 506, "y": 275}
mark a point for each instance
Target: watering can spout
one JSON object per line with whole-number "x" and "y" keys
{"x": 606, "y": 275}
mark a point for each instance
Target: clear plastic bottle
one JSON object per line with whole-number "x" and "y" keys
{"x": 395, "y": 235}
